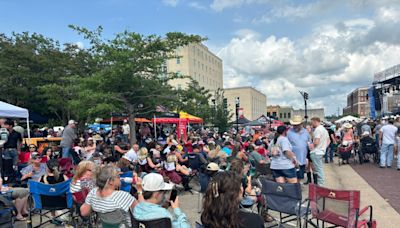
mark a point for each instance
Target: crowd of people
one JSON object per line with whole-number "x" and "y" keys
{"x": 295, "y": 153}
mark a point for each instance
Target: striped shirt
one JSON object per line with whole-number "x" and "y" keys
{"x": 117, "y": 200}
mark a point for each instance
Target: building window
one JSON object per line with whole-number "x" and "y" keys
{"x": 289, "y": 115}
{"x": 280, "y": 115}
{"x": 179, "y": 86}
{"x": 284, "y": 115}
{"x": 274, "y": 114}
{"x": 178, "y": 60}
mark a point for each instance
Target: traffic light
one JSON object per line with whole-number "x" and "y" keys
{"x": 305, "y": 96}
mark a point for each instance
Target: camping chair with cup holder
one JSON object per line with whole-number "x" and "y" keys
{"x": 340, "y": 208}
{"x": 49, "y": 197}
{"x": 286, "y": 199}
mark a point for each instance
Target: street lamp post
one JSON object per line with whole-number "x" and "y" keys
{"x": 237, "y": 105}
{"x": 305, "y": 97}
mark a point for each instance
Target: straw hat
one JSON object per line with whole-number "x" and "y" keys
{"x": 347, "y": 125}
{"x": 296, "y": 120}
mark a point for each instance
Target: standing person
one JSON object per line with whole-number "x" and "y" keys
{"x": 387, "y": 138}
{"x": 13, "y": 143}
{"x": 331, "y": 148}
{"x": 126, "y": 131}
{"x": 299, "y": 138}
{"x": 283, "y": 160}
{"x": 68, "y": 138}
{"x": 318, "y": 148}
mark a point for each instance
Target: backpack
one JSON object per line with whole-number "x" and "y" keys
{"x": 7, "y": 210}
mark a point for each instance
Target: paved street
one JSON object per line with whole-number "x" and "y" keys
{"x": 385, "y": 181}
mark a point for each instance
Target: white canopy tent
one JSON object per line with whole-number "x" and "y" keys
{"x": 347, "y": 119}
{"x": 9, "y": 110}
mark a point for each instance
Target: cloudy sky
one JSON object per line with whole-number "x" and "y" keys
{"x": 325, "y": 47}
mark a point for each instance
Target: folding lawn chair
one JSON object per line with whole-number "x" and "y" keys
{"x": 47, "y": 198}
{"x": 284, "y": 198}
{"x": 340, "y": 208}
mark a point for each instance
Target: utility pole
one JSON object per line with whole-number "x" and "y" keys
{"x": 305, "y": 97}
{"x": 237, "y": 105}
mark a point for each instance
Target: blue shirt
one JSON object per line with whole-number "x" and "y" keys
{"x": 148, "y": 211}
{"x": 281, "y": 161}
{"x": 299, "y": 141}
{"x": 227, "y": 151}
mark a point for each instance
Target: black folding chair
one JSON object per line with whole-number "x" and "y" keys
{"x": 156, "y": 223}
{"x": 286, "y": 199}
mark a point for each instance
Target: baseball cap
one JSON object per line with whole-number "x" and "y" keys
{"x": 212, "y": 167}
{"x": 154, "y": 182}
{"x": 72, "y": 122}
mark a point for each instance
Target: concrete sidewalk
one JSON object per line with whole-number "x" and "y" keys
{"x": 338, "y": 177}
{"x": 344, "y": 177}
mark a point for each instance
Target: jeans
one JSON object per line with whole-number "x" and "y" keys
{"x": 125, "y": 138}
{"x": 10, "y": 153}
{"x": 318, "y": 168}
{"x": 329, "y": 152}
{"x": 66, "y": 153}
{"x": 300, "y": 172}
{"x": 387, "y": 155}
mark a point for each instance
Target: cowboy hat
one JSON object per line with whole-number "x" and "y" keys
{"x": 296, "y": 120}
{"x": 347, "y": 125}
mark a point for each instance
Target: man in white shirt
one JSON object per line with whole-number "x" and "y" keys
{"x": 125, "y": 131}
{"x": 318, "y": 149}
{"x": 131, "y": 155}
{"x": 387, "y": 138}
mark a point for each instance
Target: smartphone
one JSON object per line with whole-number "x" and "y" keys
{"x": 174, "y": 194}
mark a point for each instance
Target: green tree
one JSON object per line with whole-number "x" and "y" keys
{"x": 195, "y": 100}
{"x": 129, "y": 79}
{"x": 221, "y": 116}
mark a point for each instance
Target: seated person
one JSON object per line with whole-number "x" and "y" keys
{"x": 53, "y": 175}
{"x": 225, "y": 191}
{"x": 35, "y": 170}
{"x": 82, "y": 180}
{"x": 155, "y": 194}
{"x": 105, "y": 199}
{"x": 255, "y": 157}
{"x": 20, "y": 195}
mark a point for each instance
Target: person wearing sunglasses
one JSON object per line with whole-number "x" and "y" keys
{"x": 35, "y": 170}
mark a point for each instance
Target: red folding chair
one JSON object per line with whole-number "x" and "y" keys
{"x": 340, "y": 208}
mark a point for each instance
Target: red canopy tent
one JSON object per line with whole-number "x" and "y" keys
{"x": 181, "y": 123}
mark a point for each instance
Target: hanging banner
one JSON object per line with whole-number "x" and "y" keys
{"x": 371, "y": 99}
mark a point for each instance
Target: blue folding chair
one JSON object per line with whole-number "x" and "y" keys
{"x": 49, "y": 197}
{"x": 126, "y": 187}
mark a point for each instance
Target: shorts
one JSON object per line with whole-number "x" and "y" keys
{"x": 287, "y": 173}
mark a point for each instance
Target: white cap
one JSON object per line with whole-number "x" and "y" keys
{"x": 72, "y": 122}
{"x": 154, "y": 182}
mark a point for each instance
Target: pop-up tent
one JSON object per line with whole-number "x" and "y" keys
{"x": 347, "y": 119}
{"x": 181, "y": 122}
{"x": 12, "y": 111}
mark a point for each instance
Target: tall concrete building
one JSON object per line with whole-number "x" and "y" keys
{"x": 197, "y": 62}
{"x": 357, "y": 103}
{"x": 252, "y": 102}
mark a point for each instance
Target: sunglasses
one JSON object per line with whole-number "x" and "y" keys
{"x": 32, "y": 147}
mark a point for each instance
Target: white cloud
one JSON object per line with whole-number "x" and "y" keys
{"x": 80, "y": 44}
{"x": 172, "y": 3}
{"x": 219, "y": 5}
{"x": 328, "y": 63}
{"x": 197, "y": 5}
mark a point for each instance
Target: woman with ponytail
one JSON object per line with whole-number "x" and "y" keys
{"x": 53, "y": 175}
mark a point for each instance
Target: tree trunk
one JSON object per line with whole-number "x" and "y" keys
{"x": 132, "y": 124}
